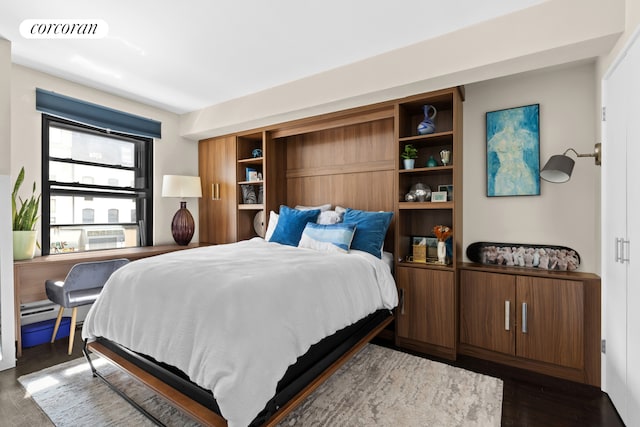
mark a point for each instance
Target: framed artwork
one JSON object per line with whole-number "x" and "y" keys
{"x": 449, "y": 189}
{"x": 439, "y": 196}
{"x": 513, "y": 151}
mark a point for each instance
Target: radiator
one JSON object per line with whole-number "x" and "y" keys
{"x": 44, "y": 310}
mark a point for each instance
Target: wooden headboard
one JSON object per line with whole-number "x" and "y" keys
{"x": 350, "y": 165}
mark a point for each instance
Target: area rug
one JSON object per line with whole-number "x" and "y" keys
{"x": 377, "y": 387}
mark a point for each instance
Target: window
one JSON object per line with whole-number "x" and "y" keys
{"x": 97, "y": 188}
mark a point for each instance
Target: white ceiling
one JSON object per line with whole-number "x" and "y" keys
{"x": 186, "y": 55}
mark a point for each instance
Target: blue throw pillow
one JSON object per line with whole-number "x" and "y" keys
{"x": 327, "y": 237}
{"x": 291, "y": 223}
{"x": 371, "y": 229}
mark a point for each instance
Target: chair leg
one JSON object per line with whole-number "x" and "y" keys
{"x": 72, "y": 328}
{"x": 57, "y": 325}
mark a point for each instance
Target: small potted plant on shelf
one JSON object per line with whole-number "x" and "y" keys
{"x": 409, "y": 156}
{"x": 24, "y": 219}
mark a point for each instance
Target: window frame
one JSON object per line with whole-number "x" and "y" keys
{"x": 143, "y": 168}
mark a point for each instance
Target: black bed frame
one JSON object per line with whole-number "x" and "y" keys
{"x": 298, "y": 381}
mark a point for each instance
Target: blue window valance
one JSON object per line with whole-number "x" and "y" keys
{"x": 95, "y": 115}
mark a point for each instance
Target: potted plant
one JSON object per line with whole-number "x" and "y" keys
{"x": 24, "y": 219}
{"x": 409, "y": 156}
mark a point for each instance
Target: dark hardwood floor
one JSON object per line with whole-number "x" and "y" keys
{"x": 530, "y": 400}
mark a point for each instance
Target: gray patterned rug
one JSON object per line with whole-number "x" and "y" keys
{"x": 378, "y": 387}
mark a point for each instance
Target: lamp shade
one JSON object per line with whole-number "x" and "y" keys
{"x": 558, "y": 169}
{"x": 181, "y": 186}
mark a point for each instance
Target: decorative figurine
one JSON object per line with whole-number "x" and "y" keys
{"x": 427, "y": 125}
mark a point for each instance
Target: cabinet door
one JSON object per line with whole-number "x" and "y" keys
{"x": 427, "y": 309}
{"x": 487, "y": 310}
{"x": 217, "y": 165}
{"x": 551, "y": 321}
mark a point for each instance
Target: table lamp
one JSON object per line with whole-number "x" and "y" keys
{"x": 182, "y": 225}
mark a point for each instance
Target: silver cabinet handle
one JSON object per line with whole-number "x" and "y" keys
{"x": 621, "y": 254}
{"x": 401, "y": 301}
{"x": 507, "y": 322}
{"x": 524, "y": 317}
{"x": 624, "y": 254}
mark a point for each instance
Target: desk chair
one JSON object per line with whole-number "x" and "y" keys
{"x": 81, "y": 286}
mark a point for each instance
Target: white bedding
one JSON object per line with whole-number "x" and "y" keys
{"x": 234, "y": 317}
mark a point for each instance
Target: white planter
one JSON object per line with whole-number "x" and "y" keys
{"x": 24, "y": 244}
{"x": 409, "y": 163}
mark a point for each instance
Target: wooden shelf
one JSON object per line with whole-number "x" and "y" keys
{"x": 429, "y": 138}
{"x": 251, "y": 161}
{"x": 428, "y": 264}
{"x": 250, "y": 207}
{"x": 425, "y": 205}
{"x": 427, "y": 169}
{"x": 259, "y": 182}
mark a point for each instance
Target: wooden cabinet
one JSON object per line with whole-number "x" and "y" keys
{"x": 217, "y": 207}
{"x": 425, "y": 320}
{"x": 418, "y": 218}
{"x": 543, "y": 321}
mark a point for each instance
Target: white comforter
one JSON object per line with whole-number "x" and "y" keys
{"x": 234, "y": 317}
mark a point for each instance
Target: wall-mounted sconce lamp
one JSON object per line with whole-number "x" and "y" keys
{"x": 182, "y": 225}
{"x": 559, "y": 167}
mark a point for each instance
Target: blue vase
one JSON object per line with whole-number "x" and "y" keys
{"x": 427, "y": 125}
{"x": 431, "y": 162}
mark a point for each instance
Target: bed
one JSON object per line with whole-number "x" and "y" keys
{"x": 237, "y": 334}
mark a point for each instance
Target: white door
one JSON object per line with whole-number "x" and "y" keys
{"x": 614, "y": 273}
{"x": 621, "y": 220}
{"x": 633, "y": 234}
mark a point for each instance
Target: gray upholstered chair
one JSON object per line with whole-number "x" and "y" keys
{"x": 81, "y": 286}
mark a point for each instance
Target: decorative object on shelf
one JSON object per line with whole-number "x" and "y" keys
{"x": 409, "y": 156}
{"x": 256, "y": 152}
{"x": 251, "y": 174}
{"x": 559, "y": 167}
{"x": 261, "y": 194}
{"x": 248, "y": 194}
{"x": 410, "y": 197}
{"x": 422, "y": 192}
{"x": 513, "y": 151}
{"x": 449, "y": 189}
{"x": 442, "y": 233}
{"x": 427, "y": 125}
{"x": 419, "y": 249}
{"x": 24, "y": 221}
{"x": 431, "y": 163}
{"x": 182, "y": 225}
{"x": 439, "y": 196}
{"x": 545, "y": 257}
{"x": 258, "y": 223}
{"x": 445, "y": 157}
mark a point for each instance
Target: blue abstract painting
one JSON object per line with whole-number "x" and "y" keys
{"x": 513, "y": 151}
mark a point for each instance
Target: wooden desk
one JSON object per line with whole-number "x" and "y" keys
{"x": 29, "y": 275}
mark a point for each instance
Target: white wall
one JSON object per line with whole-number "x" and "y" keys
{"x": 172, "y": 153}
{"x": 20, "y": 124}
{"x": 564, "y": 214}
{"x": 550, "y": 33}
{"x": 7, "y": 332}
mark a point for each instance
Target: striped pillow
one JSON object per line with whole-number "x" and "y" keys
{"x": 327, "y": 238}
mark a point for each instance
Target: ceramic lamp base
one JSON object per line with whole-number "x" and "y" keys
{"x": 183, "y": 226}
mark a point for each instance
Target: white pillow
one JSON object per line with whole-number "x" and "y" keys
{"x": 327, "y": 238}
{"x": 322, "y": 208}
{"x": 329, "y": 217}
{"x": 273, "y": 222}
